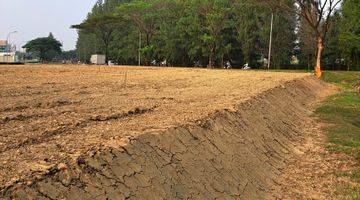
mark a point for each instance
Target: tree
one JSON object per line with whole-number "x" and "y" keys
{"x": 307, "y": 44}
{"x": 350, "y": 32}
{"x": 205, "y": 29}
{"x": 102, "y": 27}
{"x": 91, "y": 35}
{"x": 332, "y": 53}
{"x": 144, "y": 15}
{"x": 317, "y": 13}
{"x": 67, "y": 56}
{"x": 185, "y": 32}
{"x": 46, "y": 47}
{"x": 170, "y": 38}
{"x": 284, "y": 37}
{"x": 249, "y": 23}
{"x": 214, "y": 18}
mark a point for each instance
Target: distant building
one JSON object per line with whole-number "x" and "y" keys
{"x": 4, "y": 47}
{"x": 11, "y": 57}
{"x": 6, "y": 56}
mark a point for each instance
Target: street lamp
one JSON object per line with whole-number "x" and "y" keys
{"x": 139, "y": 59}
{"x": 270, "y": 40}
{"x": 8, "y": 38}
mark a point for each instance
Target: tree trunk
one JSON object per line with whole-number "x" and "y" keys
{"x": 106, "y": 54}
{"x": 222, "y": 61}
{"x": 147, "y": 39}
{"x": 211, "y": 61}
{"x": 211, "y": 58}
{"x": 309, "y": 62}
{"x": 320, "y": 48}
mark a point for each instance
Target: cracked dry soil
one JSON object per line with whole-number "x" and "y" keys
{"x": 77, "y": 133}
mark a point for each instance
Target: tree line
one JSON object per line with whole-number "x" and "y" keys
{"x": 212, "y": 32}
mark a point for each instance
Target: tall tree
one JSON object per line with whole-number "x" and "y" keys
{"x": 284, "y": 37}
{"x": 307, "y": 44}
{"x": 317, "y": 13}
{"x": 249, "y": 28}
{"x": 90, "y": 36}
{"x": 46, "y": 47}
{"x": 144, "y": 15}
{"x": 350, "y": 33}
{"x": 214, "y": 16}
{"x": 185, "y": 32}
{"x": 332, "y": 55}
{"x": 102, "y": 27}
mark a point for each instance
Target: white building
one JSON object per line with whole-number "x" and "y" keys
{"x": 6, "y": 56}
{"x": 9, "y": 57}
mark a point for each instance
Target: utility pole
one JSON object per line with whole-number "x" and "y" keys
{"x": 139, "y": 48}
{"x": 8, "y": 39}
{"x": 270, "y": 42}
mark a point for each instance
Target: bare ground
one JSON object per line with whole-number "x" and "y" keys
{"x": 50, "y": 114}
{"x": 77, "y": 133}
{"x": 314, "y": 172}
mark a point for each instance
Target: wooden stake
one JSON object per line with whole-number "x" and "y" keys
{"x": 125, "y": 79}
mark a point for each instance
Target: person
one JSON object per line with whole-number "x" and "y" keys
{"x": 246, "y": 66}
{"x": 197, "y": 64}
{"x": 153, "y": 63}
{"x": 164, "y": 63}
{"x": 228, "y": 65}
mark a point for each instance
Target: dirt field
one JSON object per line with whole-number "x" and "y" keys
{"x": 52, "y": 114}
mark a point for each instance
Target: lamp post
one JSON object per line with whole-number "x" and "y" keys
{"x": 8, "y": 38}
{"x": 270, "y": 41}
{"x": 139, "y": 59}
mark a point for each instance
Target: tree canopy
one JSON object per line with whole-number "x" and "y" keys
{"x": 46, "y": 48}
{"x": 212, "y": 32}
{"x": 349, "y": 33}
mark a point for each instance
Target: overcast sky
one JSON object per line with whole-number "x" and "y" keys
{"x": 37, "y": 18}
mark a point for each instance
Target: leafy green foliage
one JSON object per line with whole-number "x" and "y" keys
{"x": 102, "y": 27}
{"x": 69, "y": 56}
{"x": 212, "y": 32}
{"x": 350, "y": 33}
{"x": 46, "y": 48}
{"x": 209, "y": 32}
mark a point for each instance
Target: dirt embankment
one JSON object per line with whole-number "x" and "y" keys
{"x": 51, "y": 114}
{"x": 228, "y": 155}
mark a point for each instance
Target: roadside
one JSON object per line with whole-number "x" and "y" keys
{"x": 342, "y": 114}
{"x": 326, "y": 162}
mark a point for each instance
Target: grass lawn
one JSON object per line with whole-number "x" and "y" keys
{"x": 342, "y": 111}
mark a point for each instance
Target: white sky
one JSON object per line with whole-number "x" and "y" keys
{"x": 37, "y": 18}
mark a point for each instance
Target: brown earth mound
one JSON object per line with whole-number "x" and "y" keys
{"x": 231, "y": 154}
{"x": 51, "y": 114}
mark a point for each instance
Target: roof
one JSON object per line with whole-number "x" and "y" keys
{"x": 3, "y": 42}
